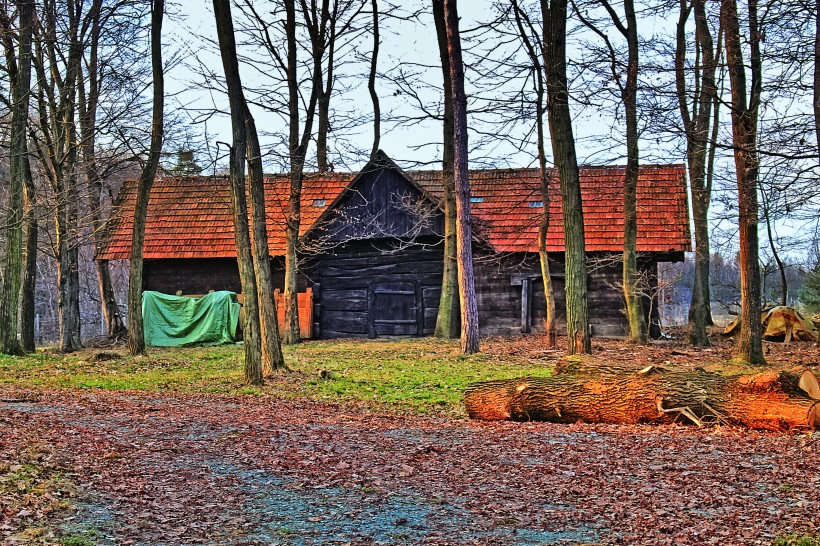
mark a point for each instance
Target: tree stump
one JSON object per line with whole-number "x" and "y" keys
{"x": 608, "y": 394}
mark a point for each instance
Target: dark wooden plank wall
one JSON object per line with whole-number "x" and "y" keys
{"x": 382, "y": 204}
{"x": 201, "y": 275}
{"x": 191, "y": 275}
{"x": 499, "y": 300}
{"x": 343, "y": 279}
{"x": 349, "y": 275}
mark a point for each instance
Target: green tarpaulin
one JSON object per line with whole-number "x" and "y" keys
{"x": 175, "y": 321}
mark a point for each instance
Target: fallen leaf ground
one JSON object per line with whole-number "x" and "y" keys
{"x": 152, "y": 468}
{"x": 194, "y": 469}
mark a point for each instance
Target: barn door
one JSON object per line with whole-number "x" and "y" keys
{"x": 395, "y": 309}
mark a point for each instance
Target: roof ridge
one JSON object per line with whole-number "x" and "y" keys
{"x": 351, "y": 174}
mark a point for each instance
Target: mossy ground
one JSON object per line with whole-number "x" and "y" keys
{"x": 420, "y": 375}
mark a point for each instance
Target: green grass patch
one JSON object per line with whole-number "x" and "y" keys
{"x": 421, "y": 375}
{"x": 797, "y": 540}
{"x": 76, "y": 541}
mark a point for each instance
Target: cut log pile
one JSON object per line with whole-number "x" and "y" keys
{"x": 772, "y": 400}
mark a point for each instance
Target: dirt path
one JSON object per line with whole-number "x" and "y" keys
{"x": 216, "y": 470}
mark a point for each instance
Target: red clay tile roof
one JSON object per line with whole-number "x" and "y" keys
{"x": 191, "y": 218}
{"x": 510, "y": 211}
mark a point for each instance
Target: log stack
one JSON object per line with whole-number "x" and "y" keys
{"x": 772, "y": 400}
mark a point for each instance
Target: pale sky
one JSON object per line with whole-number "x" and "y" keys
{"x": 401, "y": 42}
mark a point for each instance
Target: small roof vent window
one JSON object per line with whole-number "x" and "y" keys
{"x": 476, "y": 199}
{"x": 319, "y": 202}
{"x": 536, "y": 204}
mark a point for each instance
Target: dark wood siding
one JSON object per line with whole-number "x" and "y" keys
{"x": 499, "y": 287}
{"x": 191, "y": 276}
{"x": 382, "y": 204}
{"x": 378, "y": 288}
{"x": 386, "y": 288}
{"x": 498, "y": 281}
{"x": 199, "y": 276}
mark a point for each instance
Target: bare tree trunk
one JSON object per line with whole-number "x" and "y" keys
{"x": 87, "y": 103}
{"x": 638, "y": 331}
{"x": 68, "y": 200}
{"x": 136, "y": 334}
{"x": 554, "y": 15}
{"x": 448, "y": 318}
{"x": 550, "y": 322}
{"x": 466, "y": 286}
{"x": 20, "y": 79}
{"x": 549, "y": 296}
{"x": 696, "y": 127}
{"x": 768, "y": 401}
{"x": 68, "y": 260}
{"x": 298, "y": 147}
{"x": 710, "y": 176}
{"x": 252, "y": 327}
{"x": 371, "y": 81}
{"x": 322, "y": 130}
{"x": 272, "y": 358}
{"x": 744, "y": 135}
{"x": 291, "y": 334}
{"x": 323, "y": 126}
{"x": 114, "y": 325}
{"x": 28, "y": 303}
{"x": 56, "y": 102}
{"x": 817, "y": 73}
{"x": 781, "y": 268}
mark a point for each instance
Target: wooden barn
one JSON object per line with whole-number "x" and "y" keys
{"x": 372, "y": 250}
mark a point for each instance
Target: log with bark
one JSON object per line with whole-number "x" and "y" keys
{"x": 774, "y": 400}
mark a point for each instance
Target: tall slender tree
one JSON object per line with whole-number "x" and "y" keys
{"x": 371, "y": 81}
{"x": 88, "y": 102}
{"x": 448, "y": 318}
{"x": 28, "y": 294}
{"x": 744, "y": 136}
{"x": 554, "y": 16}
{"x": 317, "y": 19}
{"x": 136, "y": 334}
{"x": 19, "y": 69}
{"x": 298, "y": 147}
{"x": 697, "y": 120}
{"x": 638, "y": 331}
{"x": 272, "y": 357}
{"x": 58, "y": 47}
{"x": 466, "y": 284}
{"x": 526, "y": 30}
{"x": 252, "y": 328}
